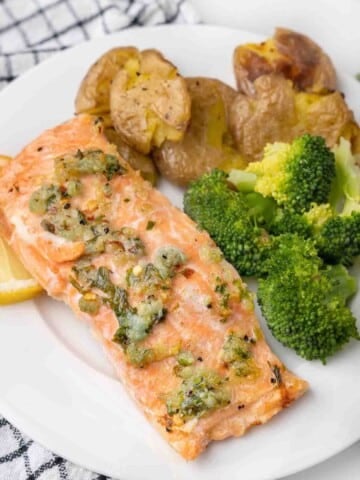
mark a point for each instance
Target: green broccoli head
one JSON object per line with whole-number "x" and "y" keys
{"x": 336, "y": 225}
{"x": 279, "y": 220}
{"x": 304, "y": 301}
{"x": 295, "y": 175}
{"x": 234, "y": 220}
{"x": 286, "y": 221}
{"x": 338, "y": 241}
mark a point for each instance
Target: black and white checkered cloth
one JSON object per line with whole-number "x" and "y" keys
{"x": 30, "y": 31}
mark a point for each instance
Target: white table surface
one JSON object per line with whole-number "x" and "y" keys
{"x": 337, "y": 29}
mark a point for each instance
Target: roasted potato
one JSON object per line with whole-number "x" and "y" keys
{"x": 137, "y": 160}
{"x": 149, "y": 102}
{"x": 94, "y": 97}
{"x": 207, "y": 142}
{"x": 289, "y": 53}
{"x": 94, "y": 92}
{"x": 278, "y": 112}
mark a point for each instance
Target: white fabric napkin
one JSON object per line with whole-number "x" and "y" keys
{"x": 30, "y": 31}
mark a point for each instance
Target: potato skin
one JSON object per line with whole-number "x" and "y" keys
{"x": 149, "y": 102}
{"x": 289, "y": 53}
{"x": 276, "y": 112}
{"x": 264, "y": 117}
{"x": 207, "y": 143}
{"x": 94, "y": 92}
{"x": 137, "y": 160}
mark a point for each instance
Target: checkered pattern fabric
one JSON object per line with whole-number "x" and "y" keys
{"x": 24, "y": 459}
{"x": 30, "y": 31}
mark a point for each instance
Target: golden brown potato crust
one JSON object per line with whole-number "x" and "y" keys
{"x": 207, "y": 142}
{"x": 277, "y": 112}
{"x": 289, "y": 53}
{"x": 149, "y": 102}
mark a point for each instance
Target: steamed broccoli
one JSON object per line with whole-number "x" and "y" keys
{"x": 304, "y": 300}
{"x": 295, "y": 175}
{"x": 336, "y": 225}
{"x": 284, "y": 221}
{"x": 234, "y": 220}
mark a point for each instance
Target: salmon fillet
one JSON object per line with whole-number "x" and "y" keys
{"x": 173, "y": 316}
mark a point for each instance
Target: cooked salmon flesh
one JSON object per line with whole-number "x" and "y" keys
{"x": 175, "y": 319}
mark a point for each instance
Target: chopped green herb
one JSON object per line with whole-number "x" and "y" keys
{"x": 70, "y": 224}
{"x": 103, "y": 282}
{"x": 132, "y": 243}
{"x": 42, "y": 198}
{"x": 185, "y": 359}
{"x": 136, "y": 323}
{"x": 84, "y": 275}
{"x": 140, "y": 356}
{"x": 237, "y": 354}
{"x": 167, "y": 259}
{"x": 87, "y": 162}
{"x": 90, "y": 303}
{"x": 200, "y": 392}
{"x": 146, "y": 280}
{"x": 223, "y": 290}
{"x": 73, "y": 188}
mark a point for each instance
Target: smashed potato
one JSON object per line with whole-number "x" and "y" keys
{"x": 149, "y": 102}
{"x": 289, "y": 53}
{"x": 277, "y": 112}
{"x": 207, "y": 142}
{"x": 93, "y": 97}
{"x": 94, "y": 92}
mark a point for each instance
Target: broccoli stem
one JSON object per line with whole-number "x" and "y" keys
{"x": 243, "y": 181}
{"x": 347, "y": 183}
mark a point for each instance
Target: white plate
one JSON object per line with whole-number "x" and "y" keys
{"x": 55, "y": 382}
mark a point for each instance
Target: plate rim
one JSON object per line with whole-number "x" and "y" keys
{"x": 5, "y": 407}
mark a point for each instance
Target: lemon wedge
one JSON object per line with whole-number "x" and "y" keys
{"x": 16, "y": 284}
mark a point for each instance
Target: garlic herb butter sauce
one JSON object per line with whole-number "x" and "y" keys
{"x": 201, "y": 390}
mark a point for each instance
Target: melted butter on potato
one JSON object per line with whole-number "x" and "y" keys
{"x": 207, "y": 142}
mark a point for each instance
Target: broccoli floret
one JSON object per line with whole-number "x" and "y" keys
{"x": 295, "y": 175}
{"x": 338, "y": 241}
{"x": 288, "y": 222}
{"x": 279, "y": 220}
{"x": 336, "y": 225}
{"x": 234, "y": 220}
{"x": 304, "y": 301}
